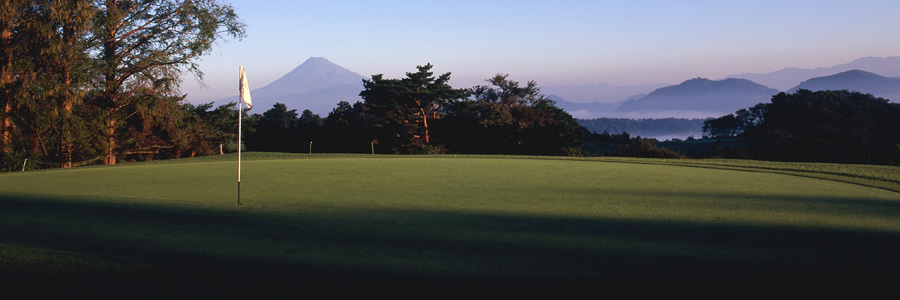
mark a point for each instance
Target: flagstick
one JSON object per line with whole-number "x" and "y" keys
{"x": 244, "y": 98}
{"x": 240, "y": 116}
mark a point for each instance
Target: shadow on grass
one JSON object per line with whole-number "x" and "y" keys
{"x": 848, "y": 207}
{"x": 64, "y": 247}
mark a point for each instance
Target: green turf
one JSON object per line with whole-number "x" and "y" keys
{"x": 447, "y": 216}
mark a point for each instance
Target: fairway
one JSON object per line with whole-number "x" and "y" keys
{"x": 481, "y": 217}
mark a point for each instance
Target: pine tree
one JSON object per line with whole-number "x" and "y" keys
{"x": 405, "y": 106}
{"x": 58, "y": 50}
{"x": 141, "y": 47}
{"x": 11, "y": 18}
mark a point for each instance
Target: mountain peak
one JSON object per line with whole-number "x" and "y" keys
{"x": 855, "y": 80}
{"x": 317, "y": 61}
{"x": 857, "y": 73}
{"x": 314, "y": 73}
{"x": 316, "y": 84}
{"x": 702, "y": 95}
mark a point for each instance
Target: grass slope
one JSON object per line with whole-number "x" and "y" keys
{"x": 435, "y": 224}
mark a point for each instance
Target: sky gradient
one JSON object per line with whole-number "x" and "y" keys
{"x": 553, "y": 42}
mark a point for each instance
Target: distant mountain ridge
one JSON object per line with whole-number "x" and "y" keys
{"x": 702, "y": 95}
{"x": 855, "y": 80}
{"x": 598, "y": 93}
{"x": 580, "y": 100}
{"x": 785, "y": 79}
{"x": 317, "y": 84}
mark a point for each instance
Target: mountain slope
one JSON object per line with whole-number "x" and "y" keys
{"x": 584, "y": 110}
{"x": 598, "y": 93}
{"x": 317, "y": 84}
{"x": 786, "y": 78}
{"x": 702, "y": 95}
{"x": 855, "y": 80}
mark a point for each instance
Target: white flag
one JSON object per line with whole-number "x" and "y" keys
{"x": 245, "y": 89}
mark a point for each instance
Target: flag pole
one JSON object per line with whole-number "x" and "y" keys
{"x": 240, "y": 117}
{"x": 245, "y": 99}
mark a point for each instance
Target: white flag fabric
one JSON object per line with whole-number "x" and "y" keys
{"x": 245, "y": 89}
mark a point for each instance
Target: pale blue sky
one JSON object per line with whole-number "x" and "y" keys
{"x": 553, "y": 42}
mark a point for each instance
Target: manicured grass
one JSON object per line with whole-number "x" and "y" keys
{"x": 877, "y": 176}
{"x": 467, "y": 218}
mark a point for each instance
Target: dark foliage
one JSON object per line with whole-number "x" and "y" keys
{"x": 829, "y": 126}
{"x": 732, "y": 125}
{"x": 281, "y": 130}
{"x": 422, "y": 114}
{"x": 823, "y": 126}
{"x": 505, "y": 118}
{"x": 645, "y": 148}
{"x": 401, "y": 109}
{"x": 348, "y": 129}
{"x": 625, "y": 145}
{"x": 644, "y": 127}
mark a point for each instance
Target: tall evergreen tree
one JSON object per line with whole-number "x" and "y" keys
{"x": 11, "y": 53}
{"x": 59, "y": 53}
{"x": 72, "y": 68}
{"x": 404, "y": 107}
{"x": 141, "y": 47}
{"x": 43, "y": 77}
{"x": 505, "y": 117}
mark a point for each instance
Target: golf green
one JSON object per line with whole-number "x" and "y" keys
{"x": 439, "y": 216}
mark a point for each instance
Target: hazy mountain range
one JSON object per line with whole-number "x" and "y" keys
{"x": 318, "y": 84}
{"x": 855, "y": 80}
{"x": 786, "y": 79}
{"x": 701, "y": 97}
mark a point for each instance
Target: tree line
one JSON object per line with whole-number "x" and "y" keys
{"x": 645, "y": 127}
{"x": 822, "y": 126}
{"x": 96, "y": 81}
{"x": 88, "y": 82}
{"x": 422, "y": 113}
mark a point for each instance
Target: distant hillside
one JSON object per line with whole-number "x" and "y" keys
{"x": 785, "y": 79}
{"x": 584, "y": 110}
{"x": 855, "y": 81}
{"x": 661, "y": 129}
{"x": 702, "y": 95}
{"x": 317, "y": 85}
{"x": 598, "y": 93}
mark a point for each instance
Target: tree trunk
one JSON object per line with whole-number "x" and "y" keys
{"x": 66, "y": 143}
{"x": 6, "y": 78}
{"x": 66, "y": 148}
{"x": 111, "y": 138}
{"x": 66, "y": 132}
{"x": 6, "y": 143}
{"x": 425, "y": 123}
{"x": 111, "y": 89}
